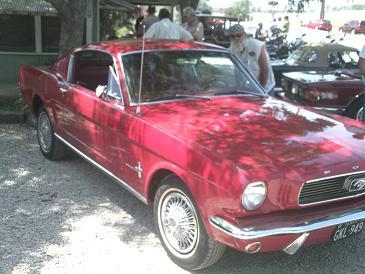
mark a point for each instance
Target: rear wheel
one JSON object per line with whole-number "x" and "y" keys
{"x": 356, "y": 110}
{"x": 180, "y": 228}
{"x": 50, "y": 147}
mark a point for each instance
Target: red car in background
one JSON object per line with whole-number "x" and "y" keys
{"x": 195, "y": 136}
{"x": 340, "y": 92}
{"x": 354, "y": 27}
{"x": 320, "y": 24}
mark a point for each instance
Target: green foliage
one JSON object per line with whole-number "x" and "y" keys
{"x": 203, "y": 4}
{"x": 240, "y": 9}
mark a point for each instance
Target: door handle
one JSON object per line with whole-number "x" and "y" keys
{"x": 64, "y": 89}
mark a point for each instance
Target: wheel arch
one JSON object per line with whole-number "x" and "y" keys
{"x": 162, "y": 171}
{"x": 357, "y": 98}
{"x": 37, "y": 103}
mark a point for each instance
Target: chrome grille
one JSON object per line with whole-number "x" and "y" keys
{"x": 328, "y": 189}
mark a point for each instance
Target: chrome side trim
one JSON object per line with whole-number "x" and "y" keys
{"x": 87, "y": 158}
{"x": 331, "y": 200}
{"x": 330, "y": 109}
{"x": 250, "y": 233}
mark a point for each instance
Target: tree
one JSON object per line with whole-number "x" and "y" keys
{"x": 72, "y": 16}
{"x": 203, "y": 4}
{"x": 240, "y": 9}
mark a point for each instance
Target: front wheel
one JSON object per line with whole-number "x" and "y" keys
{"x": 180, "y": 228}
{"x": 50, "y": 147}
{"x": 356, "y": 110}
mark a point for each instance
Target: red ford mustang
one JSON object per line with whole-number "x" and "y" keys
{"x": 222, "y": 163}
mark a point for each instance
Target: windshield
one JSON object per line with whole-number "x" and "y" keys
{"x": 185, "y": 74}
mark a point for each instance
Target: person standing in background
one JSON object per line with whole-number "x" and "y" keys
{"x": 361, "y": 65}
{"x": 138, "y": 26}
{"x": 286, "y": 24}
{"x": 150, "y": 19}
{"x": 165, "y": 29}
{"x": 192, "y": 24}
{"x": 260, "y": 35}
{"x": 254, "y": 55}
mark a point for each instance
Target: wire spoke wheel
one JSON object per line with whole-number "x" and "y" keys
{"x": 44, "y": 132}
{"x": 178, "y": 223}
{"x": 359, "y": 114}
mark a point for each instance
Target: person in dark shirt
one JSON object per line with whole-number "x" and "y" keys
{"x": 260, "y": 34}
{"x": 139, "y": 23}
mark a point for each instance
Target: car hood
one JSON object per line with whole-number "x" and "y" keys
{"x": 256, "y": 132}
{"x": 308, "y": 77}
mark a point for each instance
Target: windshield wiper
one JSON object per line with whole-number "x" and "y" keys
{"x": 192, "y": 96}
{"x": 237, "y": 91}
{"x": 172, "y": 97}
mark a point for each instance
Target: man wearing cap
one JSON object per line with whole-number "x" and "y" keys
{"x": 151, "y": 18}
{"x": 362, "y": 70}
{"x": 254, "y": 55}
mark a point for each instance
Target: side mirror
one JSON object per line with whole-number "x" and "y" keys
{"x": 101, "y": 90}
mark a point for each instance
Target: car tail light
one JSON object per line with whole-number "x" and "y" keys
{"x": 311, "y": 95}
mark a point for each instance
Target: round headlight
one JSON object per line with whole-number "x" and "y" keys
{"x": 254, "y": 195}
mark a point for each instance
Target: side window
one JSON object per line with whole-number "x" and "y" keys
{"x": 334, "y": 60}
{"x": 310, "y": 57}
{"x": 113, "y": 88}
{"x": 90, "y": 69}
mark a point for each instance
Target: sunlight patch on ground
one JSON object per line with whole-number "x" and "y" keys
{"x": 100, "y": 243}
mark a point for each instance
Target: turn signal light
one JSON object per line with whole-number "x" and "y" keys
{"x": 253, "y": 247}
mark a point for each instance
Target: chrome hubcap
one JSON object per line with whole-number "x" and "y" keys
{"x": 44, "y": 132}
{"x": 178, "y": 223}
{"x": 359, "y": 114}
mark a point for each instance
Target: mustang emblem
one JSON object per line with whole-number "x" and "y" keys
{"x": 354, "y": 184}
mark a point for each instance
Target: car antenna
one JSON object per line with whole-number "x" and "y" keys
{"x": 138, "y": 110}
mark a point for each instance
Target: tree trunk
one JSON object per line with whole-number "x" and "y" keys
{"x": 72, "y": 15}
{"x": 323, "y": 6}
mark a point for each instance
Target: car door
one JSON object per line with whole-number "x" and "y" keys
{"x": 83, "y": 109}
{"x": 121, "y": 128}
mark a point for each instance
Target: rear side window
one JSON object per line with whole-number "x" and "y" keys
{"x": 90, "y": 69}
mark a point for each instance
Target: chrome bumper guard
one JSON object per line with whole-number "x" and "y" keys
{"x": 252, "y": 233}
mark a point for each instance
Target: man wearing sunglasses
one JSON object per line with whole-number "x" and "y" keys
{"x": 254, "y": 55}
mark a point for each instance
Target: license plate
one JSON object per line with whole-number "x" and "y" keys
{"x": 346, "y": 230}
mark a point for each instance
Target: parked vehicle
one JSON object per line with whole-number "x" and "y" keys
{"x": 320, "y": 24}
{"x": 337, "y": 92}
{"x": 216, "y": 28}
{"x": 318, "y": 57}
{"x": 354, "y": 27}
{"x": 193, "y": 136}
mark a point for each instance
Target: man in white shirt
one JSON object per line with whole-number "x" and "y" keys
{"x": 362, "y": 70}
{"x": 254, "y": 55}
{"x": 165, "y": 29}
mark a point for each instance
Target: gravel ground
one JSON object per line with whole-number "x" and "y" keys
{"x": 67, "y": 217}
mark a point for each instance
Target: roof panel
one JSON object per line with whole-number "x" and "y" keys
{"x": 33, "y": 7}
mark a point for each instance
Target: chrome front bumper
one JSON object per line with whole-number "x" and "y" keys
{"x": 253, "y": 233}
